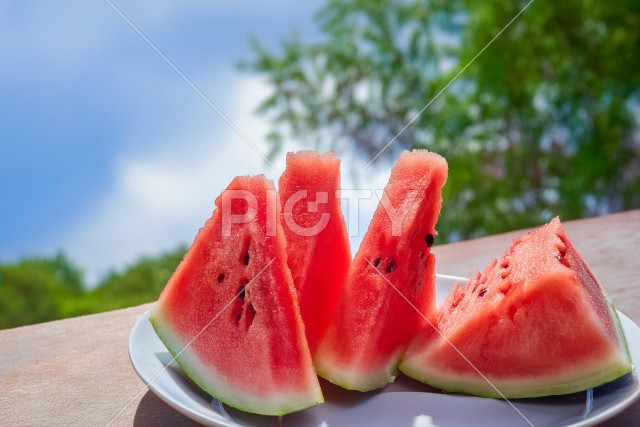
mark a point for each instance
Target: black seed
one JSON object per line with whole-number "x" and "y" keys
{"x": 244, "y": 254}
{"x": 429, "y": 239}
{"x": 482, "y": 292}
{"x": 251, "y": 314}
{"x": 220, "y": 277}
{"x": 390, "y": 266}
{"x": 377, "y": 262}
{"x": 241, "y": 294}
{"x": 238, "y": 317}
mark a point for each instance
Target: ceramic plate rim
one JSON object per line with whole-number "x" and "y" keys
{"x": 138, "y": 357}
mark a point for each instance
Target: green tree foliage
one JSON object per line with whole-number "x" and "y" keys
{"x": 544, "y": 122}
{"x": 140, "y": 283}
{"x": 31, "y": 289}
{"x": 36, "y": 290}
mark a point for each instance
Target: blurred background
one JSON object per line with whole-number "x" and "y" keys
{"x": 112, "y": 150}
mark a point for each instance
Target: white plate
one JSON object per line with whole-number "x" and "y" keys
{"x": 396, "y": 405}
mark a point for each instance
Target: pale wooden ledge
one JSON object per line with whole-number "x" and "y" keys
{"x": 76, "y": 372}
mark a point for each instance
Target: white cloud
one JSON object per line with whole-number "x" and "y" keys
{"x": 161, "y": 198}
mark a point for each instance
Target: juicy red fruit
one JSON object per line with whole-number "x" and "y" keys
{"x": 536, "y": 322}
{"x": 317, "y": 241}
{"x": 374, "y": 322}
{"x": 229, "y": 313}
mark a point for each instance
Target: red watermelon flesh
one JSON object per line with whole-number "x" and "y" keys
{"x": 318, "y": 248}
{"x": 229, "y": 313}
{"x": 534, "y": 323}
{"x": 374, "y": 323}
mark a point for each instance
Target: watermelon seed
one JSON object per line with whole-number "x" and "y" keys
{"x": 564, "y": 260}
{"x": 482, "y": 292}
{"x": 220, "y": 277}
{"x": 562, "y": 248}
{"x": 251, "y": 313}
{"x": 244, "y": 258}
{"x": 243, "y": 285}
{"x": 429, "y": 239}
{"x": 390, "y": 266}
{"x": 241, "y": 297}
{"x": 377, "y": 262}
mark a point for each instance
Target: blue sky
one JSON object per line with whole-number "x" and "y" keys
{"x": 107, "y": 153}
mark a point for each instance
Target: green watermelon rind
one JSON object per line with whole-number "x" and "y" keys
{"x": 351, "y": 379}
{"x": 517, "y": 388}
{"x": 289, "y": 403}
{"x": 618, "y": 324}
{"x": 362, "y": 385}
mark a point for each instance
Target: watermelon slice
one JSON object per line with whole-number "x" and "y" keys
{"x": 229, "y": 313}
{"x": 374, "y": 322}
{"x": 318, "y": 248}
{"x": 534, "y": 323}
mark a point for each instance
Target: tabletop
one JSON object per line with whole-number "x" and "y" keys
{"x": 77, "y": 371}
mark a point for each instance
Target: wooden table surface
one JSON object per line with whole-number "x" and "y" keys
{"x": 77, "y": 371}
